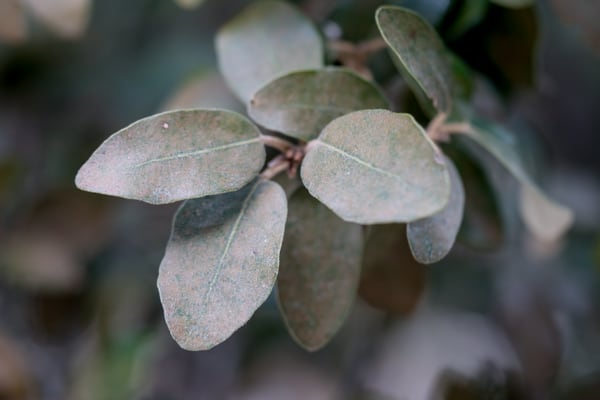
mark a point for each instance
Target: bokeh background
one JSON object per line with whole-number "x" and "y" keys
{"x": 504, "y": 317}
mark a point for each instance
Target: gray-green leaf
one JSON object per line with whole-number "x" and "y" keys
{"x": 545, "y": 218}
{"x": 267, "y": 40}
{"x": 221, "y": 262}
{"x": 432, "y": 238}
{"x": 174, "y": 156}
{"x": 300, "y": 104}
{"x": 320, "y": 270}
{"x": 376, "y": 166}
{"x": 391, "y": 279}
{"x": 420, "y": 55}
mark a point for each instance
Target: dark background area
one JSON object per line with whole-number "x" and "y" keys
{"x": 80, "y": 316}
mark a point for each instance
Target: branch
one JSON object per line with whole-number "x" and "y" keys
{"x": 277, "y": 143}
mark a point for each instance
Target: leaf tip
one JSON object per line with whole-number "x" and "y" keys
{"x": 545, "y": 218}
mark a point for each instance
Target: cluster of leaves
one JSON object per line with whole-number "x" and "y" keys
{"x": 359, "y": 164}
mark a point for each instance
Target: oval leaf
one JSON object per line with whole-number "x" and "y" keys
{"x": 432, "y": 238}
{"x": 174, "y": 156}
{"x": 376, "y": 166}
{"x": 267, "y": 40}
{"x": 545, "y": 218}
{"x": 320, "y": 269}
{"x": 300, "y": 104}
{"x": 441, "y": 340}
{"x": 67, "y": 18}
{"x": 221, "y": 263}
{"x": 207, "y": 90}
{"x": 391, "y": 279}
{"x": 420, "y": 55}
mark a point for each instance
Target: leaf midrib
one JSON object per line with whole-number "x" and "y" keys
{"x": 368, "y": 165}
{"x": 230, "y": 238}
{"x": 198, "y": 152}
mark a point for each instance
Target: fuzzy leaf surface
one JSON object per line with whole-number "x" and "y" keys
{"x": 432, "y": 238}
{"x": 376, "y": 166}
{"x": 267, "y": 40}
{"x": 544, "y": 217}
{"x": 300, "y": 104}
{"x": 420, "y": 56}
{"x": 221, "y": 262}
{"x": 174, "y": 156}
{"x": 320, "y": 270}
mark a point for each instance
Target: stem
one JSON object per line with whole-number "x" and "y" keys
{"x": 369, "y": 47}
{"x": 275, "y": 169}
{"x": 457, "y": 128}
{"x": 277, "y": 143}
{"x": 440, "y": 131}
{"x": 435, "y": 126}
{"x": 355, "y": 56}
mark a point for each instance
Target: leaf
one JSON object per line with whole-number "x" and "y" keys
{"x": 376, "y": 166}
{"x": 267, "y": 40}
{"x": 440, "y": 340}
{"x": 420, "y": 55}
{"x": 300, "y": 104}
{"x": 289, "y": 185}
{"x": 221, "y": 263}
{"x": 391, "y": 279}
{"x": 189, "y": 4}
{"x": 174, "y": 156}
{"x": 469, "y": 14}
{"x": 13, "y": 26}
{"x": 432, "y": 238}
{"x": 208, "y": 90}
{"x": 545, "y": 218}
{"x": 514, "y": 3}
{"x": 67, "y": 18}
{"x": 320, "y": 269}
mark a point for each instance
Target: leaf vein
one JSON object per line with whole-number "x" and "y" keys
{"x": 198, "y": 152}
{"x": 232, "y": 234}
{"x": 369, "y": 165}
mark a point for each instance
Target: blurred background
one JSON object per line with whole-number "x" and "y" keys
{"x": 503, "y": 317}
